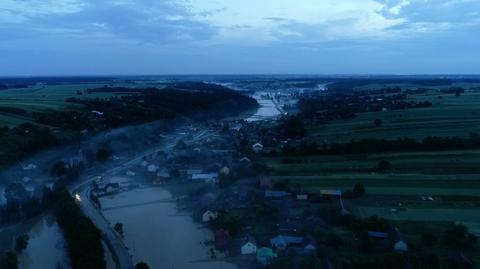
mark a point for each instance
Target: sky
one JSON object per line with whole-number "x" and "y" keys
{"x": 133, "y": 37}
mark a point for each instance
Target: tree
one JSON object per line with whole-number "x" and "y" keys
{"x": 10, "y": 261}
{"x": 359, "y": 190}
{"x": 102, "y": 154}
{"x": 378, "y": 122}
{"x": 458, "y": 237}
{"x": 429, "y": 239}
{"x": 21, "y": 243}
{"x": 58, "y": 169}
{"x": 141, "y": 265}
{"x": 118, "y": 228}
{"x": 383, "y": 165}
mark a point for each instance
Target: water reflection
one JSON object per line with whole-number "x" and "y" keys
{"x": 157, "y": 234}
{"x": 46, "y": 247}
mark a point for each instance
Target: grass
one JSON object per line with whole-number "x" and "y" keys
{"x": 45, "y": 98}
{"x": 450, "y": 116}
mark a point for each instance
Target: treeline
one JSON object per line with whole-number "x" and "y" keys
{"x": 83, "y": 239}
{"x": 369, "y": 146}
{"x": 19, "y": 142}
{"x": 147, "y": 105}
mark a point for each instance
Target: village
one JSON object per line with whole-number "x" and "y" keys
{"x": 255, "y": 221}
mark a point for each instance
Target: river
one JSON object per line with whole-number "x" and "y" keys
{"x": 46, "y": 247}
{"x": 157, "y": 233}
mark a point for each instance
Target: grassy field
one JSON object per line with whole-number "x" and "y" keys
{"x": 440, "y": 175}
{"x": 449, "y": 116}
{"x": 46, "y": 98}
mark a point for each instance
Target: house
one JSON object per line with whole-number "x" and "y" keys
{"x": 30, "y": 167}
{"x": 222, "y": 238}
{"x": 331, "y": 193}
{"x": 245, "y": 160}
{"x": 265, "y": 183}
{"x": 209, "y": 216}
{"x": 152, "y": 168}
{"x": 309, "y": 244}
{"x": 398, "y": 243}
{"x": 209, "y": 178}
{"x": 275, "y": 194}
{"x": 130, "y": 173}
{"x": 249, "y": 245}
{"x": 257, "y": 147}
{"x": 265, "y": 256}
{"x": 225, "y": 171}
{"x": 281, "y": 242}
{"x": 144, "y": 163}
{"x": 302, "y": 197}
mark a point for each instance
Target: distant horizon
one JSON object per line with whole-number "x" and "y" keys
{"x": 243, "y": 75}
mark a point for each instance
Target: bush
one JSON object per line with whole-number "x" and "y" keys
{"x": 383, "y": 165}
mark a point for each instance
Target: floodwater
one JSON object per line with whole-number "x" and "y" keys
{"x": 156, "y": 233}
{"x": 46, "y": 247}
{"x": 267, "y": 108}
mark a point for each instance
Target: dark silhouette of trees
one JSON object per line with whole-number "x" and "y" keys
{"x": 118, "y": 228}
{"x": 458, "y": 237}
{"x": 21, "y": 243}
{"x": 383, "y": 165}
{"x": 141, "y": 265}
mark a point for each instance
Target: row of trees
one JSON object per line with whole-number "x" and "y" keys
{"x": 368, "y": 146}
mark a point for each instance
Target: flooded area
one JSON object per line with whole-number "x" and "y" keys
{"x": 156, "y": 233}
{"x": 46, "y": 247}
{"x": 267, "y": 108}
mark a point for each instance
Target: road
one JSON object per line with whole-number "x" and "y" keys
{"x": 120, "y": 253}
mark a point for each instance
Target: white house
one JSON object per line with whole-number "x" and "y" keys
{"x": 209, "y": 178}
{"x": 249, "y": 246}
{"x": 257, "y": 147}
{"x": 209, "y": 216}
{"x": 400, "y": 246}
{"x": 152, "y": 168}
{"x": 245, "y": 160}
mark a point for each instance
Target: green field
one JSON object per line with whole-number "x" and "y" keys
{"x": 449, "y": 116}
{"x": 46, "y": 98}
{"x": 451, "y": 178}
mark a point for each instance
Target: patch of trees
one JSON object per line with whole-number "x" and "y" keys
{"x": 19, "y": 142}
{"x": 9, "y": 260}
{"x": 13, "y": 110}
{"x": 20, "y": 204}
{"x": 149, "y": 105}
{"x": 293, "y": 127}
{"x": 82, "y": 237}
{"x": 369, "y": 146}
{"x": 330, "y": 106}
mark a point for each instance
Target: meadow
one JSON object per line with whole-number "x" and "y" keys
{"x": 450, "y": 115}
{"x": 450, "y": 178}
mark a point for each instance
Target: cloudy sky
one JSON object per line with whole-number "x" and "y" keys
{"x": 98, "y": 37}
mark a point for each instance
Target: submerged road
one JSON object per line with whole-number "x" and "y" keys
{"x": 120, "y": 252}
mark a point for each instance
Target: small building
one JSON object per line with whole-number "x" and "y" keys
{"x": 265, "y": 256}
{"x": 337, "y": 193}
{"x": 302, "y": 197}
{"x": 249, "y": 245}
{"x": 275, "y": 194}
{"x": 30, "y": 166}
{"x": 152, "y": 168}
{"x": 209, "y": 216}
{"x": 225, "y": 171}
{"x": 257, "y": 147}
{"x": 309, "y": 244}
{"x": 209, "y": 178}
{"x": 265, "y": 183}
{"x": 245, "y": 160}
{"x": 130, "y": 173}
{"x": 281, "y": 242}
{"x": 222, "y": 238}
{"x": 397, "y": 240}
